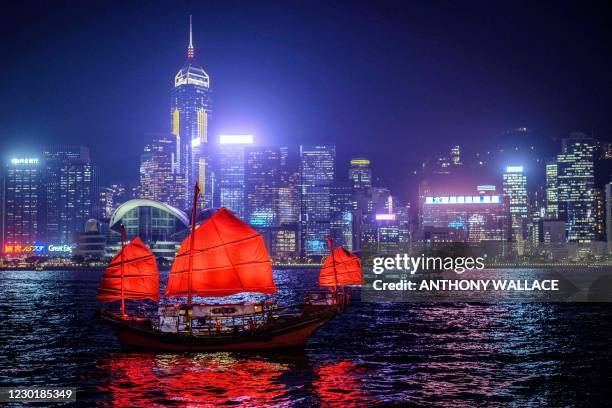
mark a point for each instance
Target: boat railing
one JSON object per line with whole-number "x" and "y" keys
{"x": 224, "y": 325}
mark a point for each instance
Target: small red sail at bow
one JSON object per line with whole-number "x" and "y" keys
{"x": 228, "y": 257}
{"x": 341, "y": 268}
{"x": 140, "y": 275}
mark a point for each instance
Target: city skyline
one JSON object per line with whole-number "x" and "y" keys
{"x": 299, "y": 192}
{"x": 304, "y": 112}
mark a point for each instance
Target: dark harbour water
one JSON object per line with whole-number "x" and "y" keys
{"x": 519, "y": 354}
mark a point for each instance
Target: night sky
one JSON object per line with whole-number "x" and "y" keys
{"x": 392, "y": 81}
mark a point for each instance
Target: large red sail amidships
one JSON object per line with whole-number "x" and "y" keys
{"x": 140, "y": 275}
{"x": 347, "y": 270}
{"x": 228, "y": 257}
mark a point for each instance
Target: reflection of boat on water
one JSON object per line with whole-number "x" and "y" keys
{"x": 214, "y": 379}
{"x": 222, "y": 256}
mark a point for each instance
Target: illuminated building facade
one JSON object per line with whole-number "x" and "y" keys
{"x": 317, "y": 166}
{"x": 283, "y": 243}
{"x": 515, "y": 188}
{"x": 161, "y": 226}
{"x": 23, "y": 203}
{"x": 477, "y": 218}
{"x": 231, "y": 167}
{"x": 262, "y": 178}
{"x": 600, "y": 215}
{"x": 289, "y": 190}
{"x": 552, "y": 199}
{"x": 360, "y": 173}
{"x": 71, "y": 191}
{"x": 159, "y": 176}
{"x": 608, "y": 192}
{"x": 110, "y": 198}
{"x": 341, "y": 215}
{"x": 576, "y": 185}
{"x": 191, "y": 110}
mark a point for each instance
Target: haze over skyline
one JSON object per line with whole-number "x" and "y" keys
{"x": 391, "y": 81}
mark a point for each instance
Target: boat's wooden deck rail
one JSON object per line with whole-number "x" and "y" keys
{"x": 223, "y": 325}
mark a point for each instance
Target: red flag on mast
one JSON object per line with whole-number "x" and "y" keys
{"x": 140, "y": 275}
{"x": 228, "y": 257}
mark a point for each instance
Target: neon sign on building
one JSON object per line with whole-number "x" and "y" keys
{"x": 481, "y": 199}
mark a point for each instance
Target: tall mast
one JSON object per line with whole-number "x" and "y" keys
{"x": 330, "y": 242}
{"x": 192, "y": 240}
{"x": 122, "y": 274}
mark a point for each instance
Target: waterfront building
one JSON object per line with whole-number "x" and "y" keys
{"x": 191, "y": 111}
{"x": 552, "y": 199}
{"x": 91, "y": 243}
{"x": 317, "y": 168}
{"x": 289, "y": 193}
{"x": 515, "y": 188}
{"x": 71, "y": 191}
{"x": 161, "y": 226}
{"x": 231, "y": 176}
{"x": 552, "y": 231}
{"x": 576, "y": 185}
{"x": 341, "y": 215}
{"x": 609, "y": 216}
{"x": 283, "y": 243}
{"x": 360, "y": 173}
{"x": 159, "y": 176}
{"x": 599, "y": 215}
{"x": 110, "y": 198}
{"x": 23, "y": 211}
{"x": 262, "y": 178}
{"x": 464, "y": 218}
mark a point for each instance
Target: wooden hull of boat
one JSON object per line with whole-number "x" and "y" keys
{"x": 293, "y": 333}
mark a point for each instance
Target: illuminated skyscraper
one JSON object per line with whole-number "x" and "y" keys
{"x": 159, "y": 176}
{"x": 191, "y": 110}
{"x": 360, "y": 173}
{"x": 599, "y": 214}
{"x": 608, "y": 192}
{"x": 317, "y": 167}
{"x": 71, "y": 191}
{"x": 341, "y": 221}
{"x": 552, "y": 200}
{"x": 231, "y": 172}
{"x": 23, "y": 203}
{"x": 262, "y": 180}
{"x": 576, "y": 187}
{"x": 515, "y": 188}
{"x": 470, "y": 218}
{"x": 289, "y": 190}
{"x": 110, "y": 198}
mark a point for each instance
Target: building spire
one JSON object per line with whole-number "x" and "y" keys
{"x": 190, "y": 51}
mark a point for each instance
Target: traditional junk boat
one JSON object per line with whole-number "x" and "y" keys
{"x": 340, "y": 269}
{"x": 222, "y": 256}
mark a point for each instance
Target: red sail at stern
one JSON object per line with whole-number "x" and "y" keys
{"x": 140, "y": 275}
{"x": 228, "y": 257}
{"x": 347, "y": 269}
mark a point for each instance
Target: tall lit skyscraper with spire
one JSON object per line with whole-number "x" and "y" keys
{"x": 190, "y": 114}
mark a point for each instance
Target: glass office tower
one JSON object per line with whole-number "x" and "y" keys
{"x": 23, "y": 203}
{"x": 317, "y": 167}
{"x": 515, "y": 188}
{"x": 191, "y": 110}
{"x": 71, "y": 191}
{"x": 576, "y": 185}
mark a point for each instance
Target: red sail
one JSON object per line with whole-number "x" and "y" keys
{"x": 140, "y": 275}
{"x": 228, "y": 257}
{"x": 347, "y": 271}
